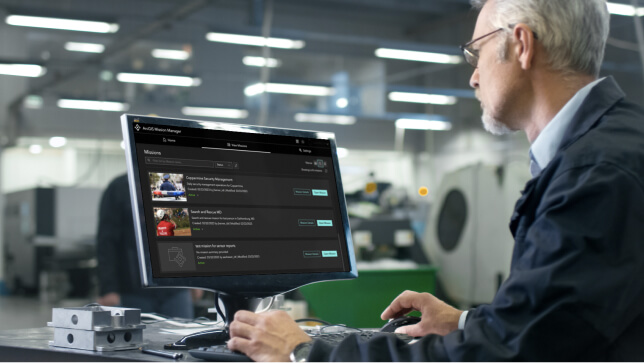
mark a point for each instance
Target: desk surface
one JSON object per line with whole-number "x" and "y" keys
{"x": 33, "y": 345}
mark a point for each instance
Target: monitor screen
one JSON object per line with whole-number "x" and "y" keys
{"x": 243, "y": 210}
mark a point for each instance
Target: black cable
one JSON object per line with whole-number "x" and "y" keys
{"x": 223, "y": 317}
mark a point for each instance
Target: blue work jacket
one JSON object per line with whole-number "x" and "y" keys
{"x": 576, "y": 287}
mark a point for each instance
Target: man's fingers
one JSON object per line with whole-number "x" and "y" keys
{"x": 241, "y": 329}
{"x": 247, "y": 317}
{"x": 401, "y": 305}
{"x": 412, "y": 330}
{"x": 239, "y": 345}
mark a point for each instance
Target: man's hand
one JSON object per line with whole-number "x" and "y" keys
{"x": 265, "y": 337}
{"x": 110, "y": 299}
{"x": 436, "y": 316}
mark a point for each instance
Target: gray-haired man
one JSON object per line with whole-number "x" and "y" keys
{"x": 575, "y": 290}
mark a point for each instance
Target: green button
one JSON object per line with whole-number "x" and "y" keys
{"x": 306, "y": 222}
{"x": 320, "y": 192}
{"x": 325, "y": 223}
{"x": 329, "y": 253}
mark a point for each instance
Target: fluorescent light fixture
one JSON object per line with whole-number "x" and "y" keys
{"x": 35, "y": 149}
{"x": 342, "y": 102}
{"x": 122, "y": 144}
{"x": 422, "y": 98}
{"x": 325, "y": 118}
{"x": 57, "y": 141}
{"x": 342, "y": 152}
{"x": 33, "y": 102}
{"x": 180, "y": 81}
{"x": 417, "y": 124}
{"x": 214, "y": 112}
{"x": 84, "y": 47}
{"x": 418, "y": 56}
{"x": 93, "y": 105}
{"x": 62, "y": 24}
{"x": 170, "y": 54}
{"x": 257, "y": 41}
{"x": 294, "y": 89}
{"x": 261, "y": 62}
{"x": 624, "y": 9}
{"x": 22, "y": 70}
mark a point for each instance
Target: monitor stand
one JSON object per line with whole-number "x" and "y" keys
{"x": 207, "y": 338}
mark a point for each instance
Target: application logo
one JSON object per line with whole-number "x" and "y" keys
{"x": 137, "y": 127}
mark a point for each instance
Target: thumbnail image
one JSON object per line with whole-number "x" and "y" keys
{"x": 172, "y": 222}
{"x": 167, "y": 187}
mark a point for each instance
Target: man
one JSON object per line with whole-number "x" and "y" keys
{"x": 167, "y": 185}
{"x": 575, "y": 291}
{"x": 166, "y": 225}
{"x": 118, "y": 269}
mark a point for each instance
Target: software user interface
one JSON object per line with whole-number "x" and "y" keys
{"x": 235, "y": 203}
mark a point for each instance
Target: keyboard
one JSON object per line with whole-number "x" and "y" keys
{"x": 220, "y": 353}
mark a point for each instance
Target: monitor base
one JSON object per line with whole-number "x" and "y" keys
{"x": 207, "y": 338}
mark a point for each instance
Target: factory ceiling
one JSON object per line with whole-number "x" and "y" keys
{"x": 339, "y": 51}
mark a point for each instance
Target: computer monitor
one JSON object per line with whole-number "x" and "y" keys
{"x": 246, "y": 211}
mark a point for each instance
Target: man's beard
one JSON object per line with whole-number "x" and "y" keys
{"x": 494, "y": 126}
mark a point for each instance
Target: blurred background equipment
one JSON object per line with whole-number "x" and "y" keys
{"x": 49, "y": 234}
{"x": 467, "y": 236}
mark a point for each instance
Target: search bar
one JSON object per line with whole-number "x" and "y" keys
{"x": 180, "y": 162}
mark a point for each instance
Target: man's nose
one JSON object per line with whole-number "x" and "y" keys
{"x": 474, "y": 80}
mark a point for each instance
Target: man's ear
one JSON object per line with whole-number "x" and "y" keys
{"x": 524, "y": 46}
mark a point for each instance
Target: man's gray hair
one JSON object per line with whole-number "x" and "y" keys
{"x": 573, "y": 32}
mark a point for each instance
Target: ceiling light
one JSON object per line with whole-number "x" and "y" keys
{"x": 294, "y": 89}
{"x": 342, "y": 102}
{"x": 57, "y": 141}
{"x": 22, "y": 70}
{"x": 170, "y": 54}
{"x": 93, "y": 105}
{"x": 623, "y": 9}
{"x": 418, "y": 56}
{"x": 180, "y": 81}
{"x": 261, "y": 62}
{"x": 325, "y": 118}
{"x": 422, "y": 98}
{"x": 35, "y": 149}
{"x": 62, "y": 24}
{"x": 417, "y": 124}
{"x": 84, "y": 47}
{"x": 122, "y": 144}
{"x": 342, "y": 152}
{"x": 255, "y": 40}
{"x": 33, "y": 102}
{"x": 214, "y": 112}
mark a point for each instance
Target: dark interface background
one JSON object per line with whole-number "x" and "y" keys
{"x": 236, "y": 203}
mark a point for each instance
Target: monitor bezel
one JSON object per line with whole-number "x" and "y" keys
{"x": 260, "y": 285}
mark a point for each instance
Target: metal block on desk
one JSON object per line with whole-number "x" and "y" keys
{"x": 97, "y": 328}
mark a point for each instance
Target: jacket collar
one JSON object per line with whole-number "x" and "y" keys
{"x": 600, "y": 99}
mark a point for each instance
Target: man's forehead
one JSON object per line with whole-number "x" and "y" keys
{"x": 483, "y": 20}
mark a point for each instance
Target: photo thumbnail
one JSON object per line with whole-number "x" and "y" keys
{"x": 172, "y": 222}
{"x": 167, "y": 187}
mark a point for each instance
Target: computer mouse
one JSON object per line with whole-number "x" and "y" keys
{"x": 394, "y": 324}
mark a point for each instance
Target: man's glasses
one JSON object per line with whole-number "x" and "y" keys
{"x": 472, "y": 55}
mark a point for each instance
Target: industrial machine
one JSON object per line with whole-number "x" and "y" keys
{"x": 46, "y": 228}
{"x": 467, "y": 235}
